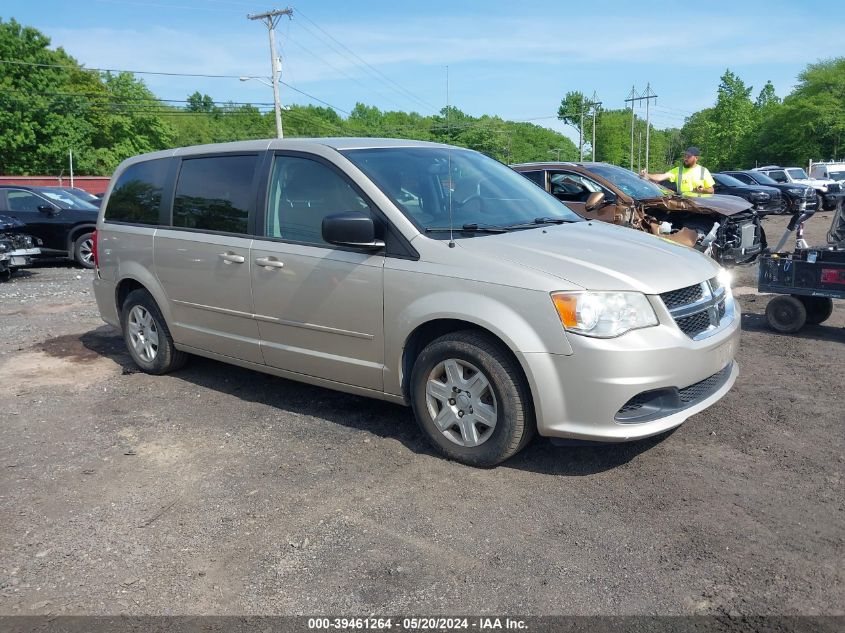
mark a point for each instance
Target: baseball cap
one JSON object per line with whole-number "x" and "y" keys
{"x": 692, "y": 151}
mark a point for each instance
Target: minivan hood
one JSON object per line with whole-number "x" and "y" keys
{"x": 598, "y": 256}
{"x": 710, "y": 203}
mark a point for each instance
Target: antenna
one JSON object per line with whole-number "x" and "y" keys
{"x": 449, "y": 161}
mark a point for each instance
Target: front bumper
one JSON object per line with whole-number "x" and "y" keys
{"x": 22, "y": 257}
{"x": 583, "y": 396}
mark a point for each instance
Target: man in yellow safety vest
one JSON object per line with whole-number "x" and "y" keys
{"x": 689, "y": 176}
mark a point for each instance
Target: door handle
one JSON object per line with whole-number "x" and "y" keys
{"x": 231, "y": 258}
{"x": 269, "y": 263}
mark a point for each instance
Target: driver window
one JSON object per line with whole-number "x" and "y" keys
{"x": 572, "y": 187}
{"x": 23, "y": 201}
{"x": 302, "y": 193}
{"x": 777, "y": 176}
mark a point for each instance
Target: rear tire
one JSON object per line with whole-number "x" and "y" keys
{"x": 818, "y": 309}
{"x": 471, "y": 400}
{"x": 83, "y": 250}
{"x": 147, "y": 337}
{"x": 786, "y": 314}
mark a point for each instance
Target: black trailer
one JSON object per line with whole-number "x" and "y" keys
{"x": 807, "y": 279}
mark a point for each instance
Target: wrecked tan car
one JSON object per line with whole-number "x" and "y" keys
{"x": 725, "y": 227}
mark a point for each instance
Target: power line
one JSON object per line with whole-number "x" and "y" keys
{"x": 368, "y": 65}
{"x": 168, "y": 74}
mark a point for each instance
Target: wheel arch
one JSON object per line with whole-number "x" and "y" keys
{"x": 427, "y": 332}
{"x": 142, "y": 281}
{"x": 75, "y": 232}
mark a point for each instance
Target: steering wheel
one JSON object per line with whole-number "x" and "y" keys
{"x": 474, "y": 198}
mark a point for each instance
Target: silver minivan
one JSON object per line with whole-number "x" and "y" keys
{"x": 418, "y": 273}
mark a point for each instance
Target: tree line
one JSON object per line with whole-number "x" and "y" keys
{"x": 50, "y": 104}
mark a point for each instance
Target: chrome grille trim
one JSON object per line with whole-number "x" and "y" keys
{"x": 709, "y": 308}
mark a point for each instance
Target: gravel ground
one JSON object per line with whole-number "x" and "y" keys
{"x": 221, "y": 490}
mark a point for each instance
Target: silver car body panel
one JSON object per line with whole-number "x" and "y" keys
{"x": 341, "y": 318}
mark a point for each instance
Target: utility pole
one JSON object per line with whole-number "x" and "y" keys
{"x": 632, "y": 96}
{"x": 639, "y": 150}
{"x": 581, "y": 134}
{"x": 647, "y": 96}
{"x": 594, "y": 105}
{"x": 70, "y": 154}
{"x": 556, "y": 151}
{"x": 270, "y": 19}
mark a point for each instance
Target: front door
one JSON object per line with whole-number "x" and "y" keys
{"x": 574, "y": 189}
{"x": 319, "y": 307}
{"x": 203, "y": 261}
{"x": 42, "y": 223}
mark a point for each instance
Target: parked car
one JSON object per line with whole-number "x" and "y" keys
{"x": 417, "y": 273}
{"x": 628, "y": 200}
{"x": 827, "y": 190}
{"x": 797, "y": 197}
{"x": 16, "y": 248}
{"x": 61, "y": 221}
{"x": 831, "y": 170}
{"x": 766, "y": 200}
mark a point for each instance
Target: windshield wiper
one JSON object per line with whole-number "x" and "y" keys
{"x": 539, "y": 222}
{"x": 467, "y": 228}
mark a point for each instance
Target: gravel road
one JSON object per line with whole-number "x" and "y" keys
{"x": 221, "y": 490}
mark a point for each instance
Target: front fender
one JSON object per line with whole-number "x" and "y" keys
{"x": 524, "y": 320}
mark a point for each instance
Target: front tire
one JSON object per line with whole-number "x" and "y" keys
{"x": 83, "y": 250}
{"x": 471, "y": 400}
{"x": 146, "y": 335}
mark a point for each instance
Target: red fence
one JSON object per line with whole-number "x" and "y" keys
{"x": 91, "y": 184}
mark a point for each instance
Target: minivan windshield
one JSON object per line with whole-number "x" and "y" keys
{"x": 629, "y": 182}
{"x": 438, "y": 187}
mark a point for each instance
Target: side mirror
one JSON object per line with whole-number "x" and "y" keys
{"x": 351, "y": 229}
{"x": 594, "y": 201}
{"x": 48, "y": 209}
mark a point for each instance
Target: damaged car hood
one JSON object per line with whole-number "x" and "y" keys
{"x": 709, "y": 203}
{"x": 597, "y": 256}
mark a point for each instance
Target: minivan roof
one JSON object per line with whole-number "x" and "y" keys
{"x": 338, "y": 143}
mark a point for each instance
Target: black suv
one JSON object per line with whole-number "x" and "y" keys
{"x": 766, "y": 200}
{"x": 797, "y": 196}
{"x": 63, "y": 222}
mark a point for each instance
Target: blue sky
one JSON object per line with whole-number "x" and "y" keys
{"x": 516, "y": 60}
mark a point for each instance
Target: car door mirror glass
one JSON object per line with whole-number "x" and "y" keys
{"x": 351, "y": 228}
{"x": 48, "y": 209}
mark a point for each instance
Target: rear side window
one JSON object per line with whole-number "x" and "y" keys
{"x": 537, "y": 177}
{"x": 136, "y": 198}
{"x": 215, "y": 193}
{"x": 745, "y": 178}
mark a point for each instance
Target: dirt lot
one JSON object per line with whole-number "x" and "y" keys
{"x": 220, "y": 490}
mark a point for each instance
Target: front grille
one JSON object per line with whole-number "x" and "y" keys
{"x": 695, "y": 324}
{"x": 834, "y": 187}
{"x": 651, "y": 405}
{"x": 697, "y": 309}
{"x": 675, "y": 298}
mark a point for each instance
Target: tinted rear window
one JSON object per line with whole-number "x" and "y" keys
{"x": 215, "y": 193}
{"x": 136, "y": 198}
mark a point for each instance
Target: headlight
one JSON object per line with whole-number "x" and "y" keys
{"x": 795, "y": 192}
{"x": 2, "y": 247}
{"x": 725, "y": 278}
{"x": 603, "y": 314}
